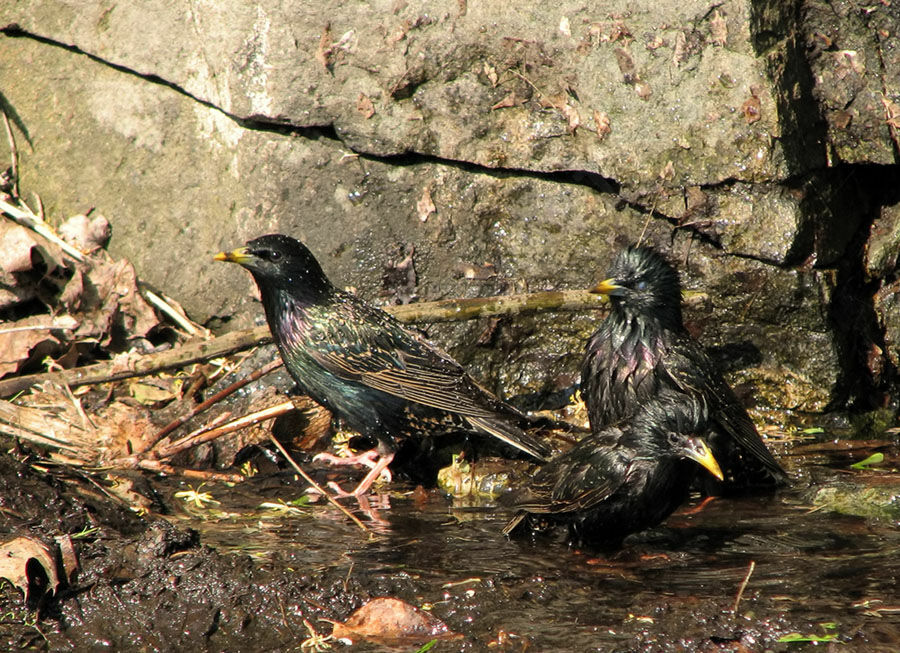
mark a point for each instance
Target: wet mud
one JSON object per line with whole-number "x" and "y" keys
{"x": 222, "y": 568}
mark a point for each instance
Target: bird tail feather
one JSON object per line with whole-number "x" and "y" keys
{"x": 512, "y": 435}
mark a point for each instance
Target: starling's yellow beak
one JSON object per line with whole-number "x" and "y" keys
{"x": 699, "y": 452}
{"x": 607, "y": 287}
{"x": 240, "y": 256}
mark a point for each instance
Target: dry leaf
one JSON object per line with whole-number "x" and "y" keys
{"x": 150, "y": 394}
{"x": 718, "y": 27}
{"x": 19, "y": 339}
{"x": 17, "y": 245}
{"x": 668, "y": 171}
{"x": 891, "y": 113}
{"x": 626, "y": 65}
{"x": 323, "y": 52}
{"x": 643, "y": 89}
{"x": 679, "y": 53}
{"x": 68, "y": 557}
{"x": 491, "y": 73}
{"x": 477, "y": 272}
{"x": 16, "y": 566}
{"x": 510, "y": 100}
{"x": 572, "y": 117}
{"x": 392, "y": 622}
{"x": 364, "y": 106}
{"x": 601, "y": 124}
{"x": 752, "y": 110}
{"x": 425, "y": 206}
{"x": 84, "y": 233}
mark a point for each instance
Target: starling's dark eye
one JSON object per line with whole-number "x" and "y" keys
{"x": 640, "y": 285}
{"x": 272, "y": 255}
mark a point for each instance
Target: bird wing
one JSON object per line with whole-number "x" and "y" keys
{"x": 388, "y": 357}
{"x": 577, "y": 480}
{"x": 692, "y": 370}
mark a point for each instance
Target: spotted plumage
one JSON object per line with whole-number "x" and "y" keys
{"x": 643, "y": 348}
{"x": 622, "y": 479}
{"x": 381, "y": 378}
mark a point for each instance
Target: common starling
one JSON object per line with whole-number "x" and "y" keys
{"x": 382, "y": 379}
{"x": 642, "y": 348}
{"x": 624, "y": 478}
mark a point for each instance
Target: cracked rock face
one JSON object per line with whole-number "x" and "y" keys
{"x": 506, "y": 151}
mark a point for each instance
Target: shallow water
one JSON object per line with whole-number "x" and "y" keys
{"x": 816, "y": 572}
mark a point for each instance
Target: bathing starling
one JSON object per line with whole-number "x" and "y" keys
{"x": 624, "y": 478}
{"x": 642, "y": 348}
{"x": 382, "y": 379}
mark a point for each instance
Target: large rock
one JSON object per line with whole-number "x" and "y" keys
{"x": 546, "y": 138}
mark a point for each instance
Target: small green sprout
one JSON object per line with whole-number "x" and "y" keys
{"x": 874, "y": 459}
{"x": 198, "y": 498}
{"x": 798, "y": 637}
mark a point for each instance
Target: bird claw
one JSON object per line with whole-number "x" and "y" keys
{"x": 368, "y": 459}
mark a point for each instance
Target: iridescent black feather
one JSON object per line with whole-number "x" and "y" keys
{"x": 381, "y": 378}
{"x": 642, "y": 348}
{"x": 622, "y": 479}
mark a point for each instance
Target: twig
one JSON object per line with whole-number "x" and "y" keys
{"x": 177, "y": 317}
{"x": 205, "y": 436}
{"x": 318, "y": 488}
{"x": 145, "y": 365}
{"x": 454, "y": 310}
{"x": 440, "y": 311}
{"x": 36, "y": 224}
{"x": 743, "y": 586}
{"x": 169, "y": 470}
{"x": 13, "y": 152}
{"x": 201, "y": 407}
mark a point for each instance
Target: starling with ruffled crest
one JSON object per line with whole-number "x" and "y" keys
{"x": 643, "y": 348}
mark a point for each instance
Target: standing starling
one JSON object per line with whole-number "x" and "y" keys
{"x": 623, "y": 479}
{"x": 359, "y": 362}
{"x": 642, "y": 348}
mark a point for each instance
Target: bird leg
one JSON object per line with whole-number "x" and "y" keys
{"x": 379, "y": 468}
{"x": 368, "y": 459}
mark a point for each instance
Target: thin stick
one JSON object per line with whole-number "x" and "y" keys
{"x": 164, "y": 468}
{"x": 440, "y": 311}
{"x": 454, "y": 310}
{"x": 306, "y": 477}
{"x": 14, "y": 154}
{"x": 743, "y": 586}
{"x": 172, "y": 313}
{"x": 36, "y": 224}
{"x": 234, "y": 425}
{"x": 201, "y": 407}
{"x": 108, "y": 371}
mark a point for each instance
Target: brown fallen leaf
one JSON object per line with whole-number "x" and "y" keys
{"x": 364, "y": 106}
{"x": 323, "y": 52}
{"x": 16, "y": 566}
{"x": 510, "y": 100}
{"x": 392, "y": 622}
{"x": 19, "y": 339}
{"x": 718, "y": 28}
{"x": 601, "y": 124}
{"x": 68, "y": 557}
{"x": 752, "y": 110}
{"x": 425, "y": 205}
{"x": 572, "y": 117}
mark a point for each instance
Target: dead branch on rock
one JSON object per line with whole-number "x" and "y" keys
{"x": 447, "y": 310}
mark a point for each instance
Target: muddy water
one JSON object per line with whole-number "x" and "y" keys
{"x": 816, "y": 572}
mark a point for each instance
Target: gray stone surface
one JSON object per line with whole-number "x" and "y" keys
{"x": 547, "y": 138}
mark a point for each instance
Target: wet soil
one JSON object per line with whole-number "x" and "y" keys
{"x": 232, "y": 576}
